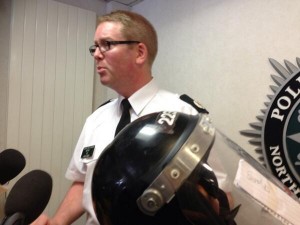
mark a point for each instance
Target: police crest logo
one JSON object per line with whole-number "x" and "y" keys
{"x": 277, "y": 132}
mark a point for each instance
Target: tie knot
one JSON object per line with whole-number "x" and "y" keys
{"x": 125, "y": 104}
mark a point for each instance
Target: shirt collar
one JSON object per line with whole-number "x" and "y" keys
{"x": 142, "y": 97}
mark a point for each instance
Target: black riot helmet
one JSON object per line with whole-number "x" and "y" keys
{"x": 155, "y": 172}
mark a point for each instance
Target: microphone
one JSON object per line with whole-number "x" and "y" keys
{"x": 12, "y": 162}
{"x": 28, "y": 198}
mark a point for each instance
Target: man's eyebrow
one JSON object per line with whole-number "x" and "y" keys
{"x": 105, "y": 39}
{"x": 98, "y": 41}
{"x": 101, "y": 40}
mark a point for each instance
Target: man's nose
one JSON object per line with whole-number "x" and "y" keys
{"x": 98, "y": 54}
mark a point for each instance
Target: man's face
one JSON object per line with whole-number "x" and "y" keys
{"x": 115, "y": 65}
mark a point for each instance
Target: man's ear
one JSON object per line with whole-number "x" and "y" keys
{"x": 142, "y": 53}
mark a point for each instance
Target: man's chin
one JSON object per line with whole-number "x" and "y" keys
{"x": 104, "y": 83}
{"x": 104, "y": 80}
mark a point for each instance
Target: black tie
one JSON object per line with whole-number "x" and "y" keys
{"x": 125, "y": 118}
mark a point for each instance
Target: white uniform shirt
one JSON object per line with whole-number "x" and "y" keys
{"x": 99, "y": 131}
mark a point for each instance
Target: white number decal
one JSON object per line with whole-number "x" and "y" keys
{"x": 297, "y": 163}
{"x": 167, "y": 117}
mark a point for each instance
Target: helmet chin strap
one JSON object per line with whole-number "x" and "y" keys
{"x": 225, "y": 212}
{"x": 204, "y": 176}
{"x": 198, "y": 210}
{"x": 196, "y": 207}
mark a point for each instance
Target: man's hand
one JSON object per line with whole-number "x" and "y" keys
{"x": 43, "y": 219}
{"x": 69, "y": 211}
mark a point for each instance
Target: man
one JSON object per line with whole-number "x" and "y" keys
{"x": 125, "y": 46}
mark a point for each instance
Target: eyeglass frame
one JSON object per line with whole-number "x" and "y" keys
{"x": 107, "y": 46}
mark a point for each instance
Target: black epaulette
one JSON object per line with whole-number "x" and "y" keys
{"x": 193, "y": 103}
{"x": 104, "y": 103}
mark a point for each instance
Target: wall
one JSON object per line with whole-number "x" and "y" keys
{"x": 217, "y": 52}
{"x": 48, "y": 85}
{"x": 97, "y": 6}
{"x": 5, "y": 14}
{"x": 33, "y": 151}
{"x": 100, "y": 8}
{"x": 101, "y": 93}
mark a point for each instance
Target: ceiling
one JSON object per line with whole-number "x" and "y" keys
{"x": 126, "y": 2}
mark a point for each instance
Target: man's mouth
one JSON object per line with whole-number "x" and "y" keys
{"x": 100, "y": 69}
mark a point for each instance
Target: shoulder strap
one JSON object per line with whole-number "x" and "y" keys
{"x": 193, "y": 103}
{"x": 108, "y": 101}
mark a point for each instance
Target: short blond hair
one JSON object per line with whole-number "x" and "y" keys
{"x": 135, "y": 28}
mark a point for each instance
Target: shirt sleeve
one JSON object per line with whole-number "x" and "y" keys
{"x": 77, "y": 169}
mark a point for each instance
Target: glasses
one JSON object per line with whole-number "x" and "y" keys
{"x": 106, "y": 45}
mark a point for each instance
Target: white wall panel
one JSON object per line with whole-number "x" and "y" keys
{"x": 50, "y": 85}
{"x": 59, "y": 93}
{"x": 27, "y": 63}
{"x": 15, "y": 73}
{"x": 38, "y": 85}
{"x": 218, "y": 51}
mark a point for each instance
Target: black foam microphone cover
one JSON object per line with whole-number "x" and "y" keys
{"x": 29, "y": 196}
{"x": 12, "y": 162}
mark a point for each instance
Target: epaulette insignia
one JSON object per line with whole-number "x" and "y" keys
{"x": 193, "y": 103}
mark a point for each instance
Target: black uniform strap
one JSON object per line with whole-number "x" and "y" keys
{"x": 108, "y": 101}
{"x": 193, "y": 103}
